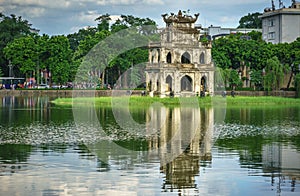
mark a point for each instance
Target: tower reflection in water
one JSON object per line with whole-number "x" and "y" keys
{"x": 184, "y": 139}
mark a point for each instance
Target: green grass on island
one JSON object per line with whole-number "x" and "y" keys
{"x": 136, "y": 101}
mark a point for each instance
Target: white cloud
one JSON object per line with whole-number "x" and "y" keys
{"x": 59, "y": 16}
{"x": 228, "y": 19}
{"x": 116, "y": 2}
{"x": 87, "y": 16}
{"x": 153, "y": 2}
{"x": 33, "y": 12}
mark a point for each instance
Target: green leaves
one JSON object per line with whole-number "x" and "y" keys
{"x": 23, "y": 53}
{"x": 11, "y": 27}
{"x": 251, "y": 21}
{"x": 274, "y": 74}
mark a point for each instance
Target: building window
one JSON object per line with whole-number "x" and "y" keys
{"x": 202, "y": 60}
{"x": 271, "y": 23}
{"x": 169, "y": 57}
{"x": 271, "y": 35}
{"x": 186, "y": 58}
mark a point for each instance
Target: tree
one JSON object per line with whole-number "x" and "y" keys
{"x": 59, "y": 59}
{"x": 251, "y": 21}
{"x": 79, "y": 36}
{"x": 11, "y": 27}
{"x": 274, "y": 74}
{"x": 256, "y": 78}
{"x": 23, "y": 54}
{"x": 87, "y": 52}
{"x": 234, "y": 79}
{"x": 225, "y": 74}
{"x": 103, "y": 22}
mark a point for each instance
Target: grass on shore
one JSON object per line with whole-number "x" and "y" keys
{"x": 137, "y": 101}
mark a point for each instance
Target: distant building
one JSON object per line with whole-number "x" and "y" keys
{"x": 180, "y": 64}
{"x": 215, "y": 32}
{"x": 281, "y": 25}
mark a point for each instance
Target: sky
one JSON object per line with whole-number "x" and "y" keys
{"x": 55, "y": 17}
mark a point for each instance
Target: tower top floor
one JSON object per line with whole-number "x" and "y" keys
{"x": 181, "y": 21}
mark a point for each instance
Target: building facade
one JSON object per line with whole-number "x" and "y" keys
{"x": 180, "y": 64}
{"x": 281, "y": 25}
{"x": 215, "y": 32}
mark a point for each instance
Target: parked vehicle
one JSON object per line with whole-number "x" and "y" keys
{"x": 43, "y": 86}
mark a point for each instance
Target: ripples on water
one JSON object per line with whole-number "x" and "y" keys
{"x": 54, "y": 156}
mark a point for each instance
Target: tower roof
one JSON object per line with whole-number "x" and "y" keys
{"x": 180, "y": 18}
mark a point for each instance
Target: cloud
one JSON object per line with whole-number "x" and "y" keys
{"x": 153, "y": 2}
{"x": 59, "y": 16}
{"x": 229, "y": 19}
{"x": 32, "y": 12}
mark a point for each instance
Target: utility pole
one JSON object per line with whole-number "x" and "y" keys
{"x": 10, "y": 71}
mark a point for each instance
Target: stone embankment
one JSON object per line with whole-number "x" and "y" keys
{"x": 107, "y": 93}
{"x": 68, "y": 93}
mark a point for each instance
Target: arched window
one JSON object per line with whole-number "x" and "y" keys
{"x": 186, "y": 83}
{"x": 169, "y": 82}
{"x": 202, "y": 59}
{"x": 158, "y": 56}
{"x": 154, "y": 56}
{"x": 186, "y": 58}
{"x": 169, "y": 58}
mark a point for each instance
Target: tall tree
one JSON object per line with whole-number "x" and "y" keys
{"x": 11, "y": 27}
{"x": 23, "y": 54}
{"x": 256, "y": 78}
{"x": 274, "y": 74}
{"x": 76, "y": 38}
{"x": 251, "y": 21}
{"x": 59, "y": 60}
{"x": 103, "y": 22}
{"x": 234, "y": 79}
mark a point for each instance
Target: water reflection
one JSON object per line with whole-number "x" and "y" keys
{"x": 170, "y": 150}
{"x": 184, "y": 139}
{"x": 15, "y": 110}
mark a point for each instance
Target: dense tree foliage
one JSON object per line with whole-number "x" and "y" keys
{"x": 251, "y": 21}
{"x": 11, "y": 27}
{"x": 235, "y": 52}
{"x": 60, "y": 56}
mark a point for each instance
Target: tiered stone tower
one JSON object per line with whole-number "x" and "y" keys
{"x": 180, "y": 64}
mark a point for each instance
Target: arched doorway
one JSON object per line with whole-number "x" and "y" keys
{"x": 186, "y": 83}
{"x": 203, "y": 84}
{"x": 169, "y": 82}
{"x": 169, "y": 58}
{"x": 186, "y": 58}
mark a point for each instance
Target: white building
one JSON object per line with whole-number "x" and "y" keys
{"x": 281, "y": 25}
{"x": 217, "y": 31}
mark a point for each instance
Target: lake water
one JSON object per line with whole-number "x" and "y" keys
{"x": 50, "y": 150}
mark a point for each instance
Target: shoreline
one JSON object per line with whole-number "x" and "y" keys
{"x": 108, "y": 93}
